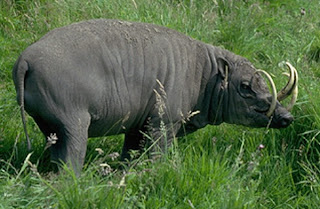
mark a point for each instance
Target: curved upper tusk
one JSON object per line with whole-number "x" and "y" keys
{"x": 288, "y": 89}
{"x": 273, "y": 93}
{"x": 294, "y": 87}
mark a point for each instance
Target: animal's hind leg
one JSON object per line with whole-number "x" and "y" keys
{"x": 71, "y": 145}
{"x": 46, "y": 128}
{"x": 49, "y": 129}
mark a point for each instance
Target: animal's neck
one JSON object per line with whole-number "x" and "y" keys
{"x": 212, "y": 103}
{"x": 219, "y": 89}
{"x": 217, "y": 102}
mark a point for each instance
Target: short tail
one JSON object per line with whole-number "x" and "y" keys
{"x": 19, "y": 73}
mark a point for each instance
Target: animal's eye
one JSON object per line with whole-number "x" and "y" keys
{"x": 245, "y": 89}
{"x": 245, "y": 86}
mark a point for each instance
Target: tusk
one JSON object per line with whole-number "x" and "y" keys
{"x": 294, "y": 88}
{"x": 293, "y": 99}
{"x": 273, "y": 93}
{"x": 287, "y": 90}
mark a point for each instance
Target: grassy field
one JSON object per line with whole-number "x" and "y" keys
{"x": 215, "y": 167}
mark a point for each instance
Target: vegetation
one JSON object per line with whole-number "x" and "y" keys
{"x": 225, "y": 166}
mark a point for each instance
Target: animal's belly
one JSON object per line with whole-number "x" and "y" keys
{"x": 115, "y": 125}
{"x": 104, "y": 128}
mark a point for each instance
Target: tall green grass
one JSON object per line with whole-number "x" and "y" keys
{"x": 215, "y": 167}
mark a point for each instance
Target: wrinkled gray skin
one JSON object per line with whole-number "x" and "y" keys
{"x": 98, "y": 78}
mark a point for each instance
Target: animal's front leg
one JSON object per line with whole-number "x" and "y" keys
{"x": 161, "y": 136}
{"x": 134, "y": 141}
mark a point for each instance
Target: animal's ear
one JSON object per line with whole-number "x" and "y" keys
{"x": 223, "y": 67}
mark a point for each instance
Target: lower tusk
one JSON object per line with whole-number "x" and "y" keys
{"x": 273, "y": 93}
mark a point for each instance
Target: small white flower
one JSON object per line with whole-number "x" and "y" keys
{"x": 114, "y": 155}
{"x": 261, "y": 146}
{"x": 51, "y": 140}
{"x": 99, "y": 150}
{"x": 105, "y": 169}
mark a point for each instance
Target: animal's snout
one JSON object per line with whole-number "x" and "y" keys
{"x": 282, "y": 121}
{"x": 286, "y": 120}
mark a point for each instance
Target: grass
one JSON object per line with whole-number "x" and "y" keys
{"x": 215, "y": 167}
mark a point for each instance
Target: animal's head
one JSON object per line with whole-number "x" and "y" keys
{"x": 247, "y": 99}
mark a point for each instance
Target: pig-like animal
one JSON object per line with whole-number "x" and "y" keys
{"x": 105, "y": 77}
